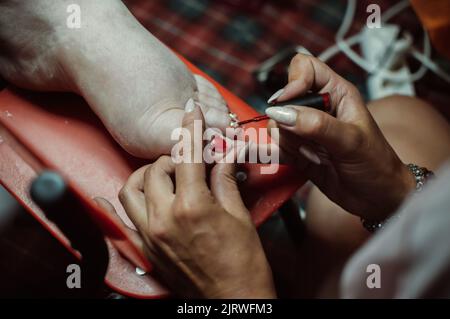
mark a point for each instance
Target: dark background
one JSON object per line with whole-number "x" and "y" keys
{"x": 228, "y": 40}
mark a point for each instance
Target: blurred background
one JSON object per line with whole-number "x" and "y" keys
{"x": 230, "y": 40}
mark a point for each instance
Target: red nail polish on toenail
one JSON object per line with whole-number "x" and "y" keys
{"x": 219, "y": 144}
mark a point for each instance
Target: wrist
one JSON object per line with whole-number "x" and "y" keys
{"x": 411, "y": 178}
{"x": 402, "y": 185}
{"x": 406, "y": 184}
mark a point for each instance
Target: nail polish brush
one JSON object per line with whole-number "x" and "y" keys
{"x": 320, "y": 101}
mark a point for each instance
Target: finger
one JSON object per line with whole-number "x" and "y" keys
{"x": 147, "y": 248}
{"x": 109, "y": 208}
{"x": 158, "y": 185}
{"x": 216, "y": 118}
{"x": 220, "y": 148}
{"x": 241, "y": 151}
{"x": 225, "y": 189}
{"x": 288, "y": 141}
{"x": 283, "y": 155}
{"x": 309, "y": 73}
{"x": 132, "y": 198}
{"x": 314, "y": 125}
{"x": 190, "y": 174}
{"x": 264, "y": 151}
{"x": 289, "y": 145}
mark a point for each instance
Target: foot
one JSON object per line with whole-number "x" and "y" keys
{"x": 134, "y": 83}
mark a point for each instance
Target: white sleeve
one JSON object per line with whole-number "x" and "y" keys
{"x": 412, "y": 251}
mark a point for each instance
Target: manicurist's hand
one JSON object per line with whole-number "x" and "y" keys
{"x": 200, "y": 238}
{"x": 349, "y": 158}
{"x": 135, "y": 84}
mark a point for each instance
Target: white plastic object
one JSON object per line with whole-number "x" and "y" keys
{"x": 385, "y": 52}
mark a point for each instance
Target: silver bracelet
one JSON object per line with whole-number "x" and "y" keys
{"x": 421, "y": 175}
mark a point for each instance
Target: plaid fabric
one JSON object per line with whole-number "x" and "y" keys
{"x": 230, "y": 39}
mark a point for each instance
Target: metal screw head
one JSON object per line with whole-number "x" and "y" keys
{"x": 140, "y": 272}
{"x": 241, "y": 176}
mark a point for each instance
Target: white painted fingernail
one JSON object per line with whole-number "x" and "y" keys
{"x": 275, "y": 96}
{"x": 309, "y": 154}
{"x": 304, "y": 51}
{"x": 189, "y": 106}
{"x": 282, "y": 115}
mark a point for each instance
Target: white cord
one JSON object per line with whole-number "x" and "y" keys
{"x": 426, "y": 54}
{"x": 431, "y": 65}
{"x": 395, "y": 77}
{"x": 355, "y": 39}
{"x": 344, "y": 45}
{"x": 327, "y": 54}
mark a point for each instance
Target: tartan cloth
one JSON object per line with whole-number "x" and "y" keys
{"x": 230, "y": 39}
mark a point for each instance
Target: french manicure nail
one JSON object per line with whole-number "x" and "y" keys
{"x": 282, "y": 115}
{"x": 309, "y": 154}
{"x": 189, "y": 106}
{"x": 304, "y": 51}
{"x": 275, "y": 96}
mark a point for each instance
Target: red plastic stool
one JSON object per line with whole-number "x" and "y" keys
{"x": 59, "y": 131}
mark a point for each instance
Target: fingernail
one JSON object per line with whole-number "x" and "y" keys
{"x": 189, "y": 106}
{"x": 219, "y": 144}
{"x": 304, "y": 51}
{"x": 275, "y": 96}
{"x": 282, "y": 115}
{"x": 309, "y": 154}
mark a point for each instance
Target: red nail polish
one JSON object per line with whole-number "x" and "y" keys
{"x": 219, "y": 144}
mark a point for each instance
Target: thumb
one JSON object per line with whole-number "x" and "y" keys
{"x": 336, "y": 136}
{"x": 225, "y": 189}
{"x": 109, "y": 208}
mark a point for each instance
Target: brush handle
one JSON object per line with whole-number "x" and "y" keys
{"x": 319, "y": 101}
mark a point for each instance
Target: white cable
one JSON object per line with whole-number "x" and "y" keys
{"x": 334, "y": 49}
{"x": 431, "y": 65}
{"x": 426, "y": 64}
{"x": 395, "y": 77}
{"x": 427, "y": 54}
{"x": 389, "y": 14}
{"x": 345, "y": 45}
